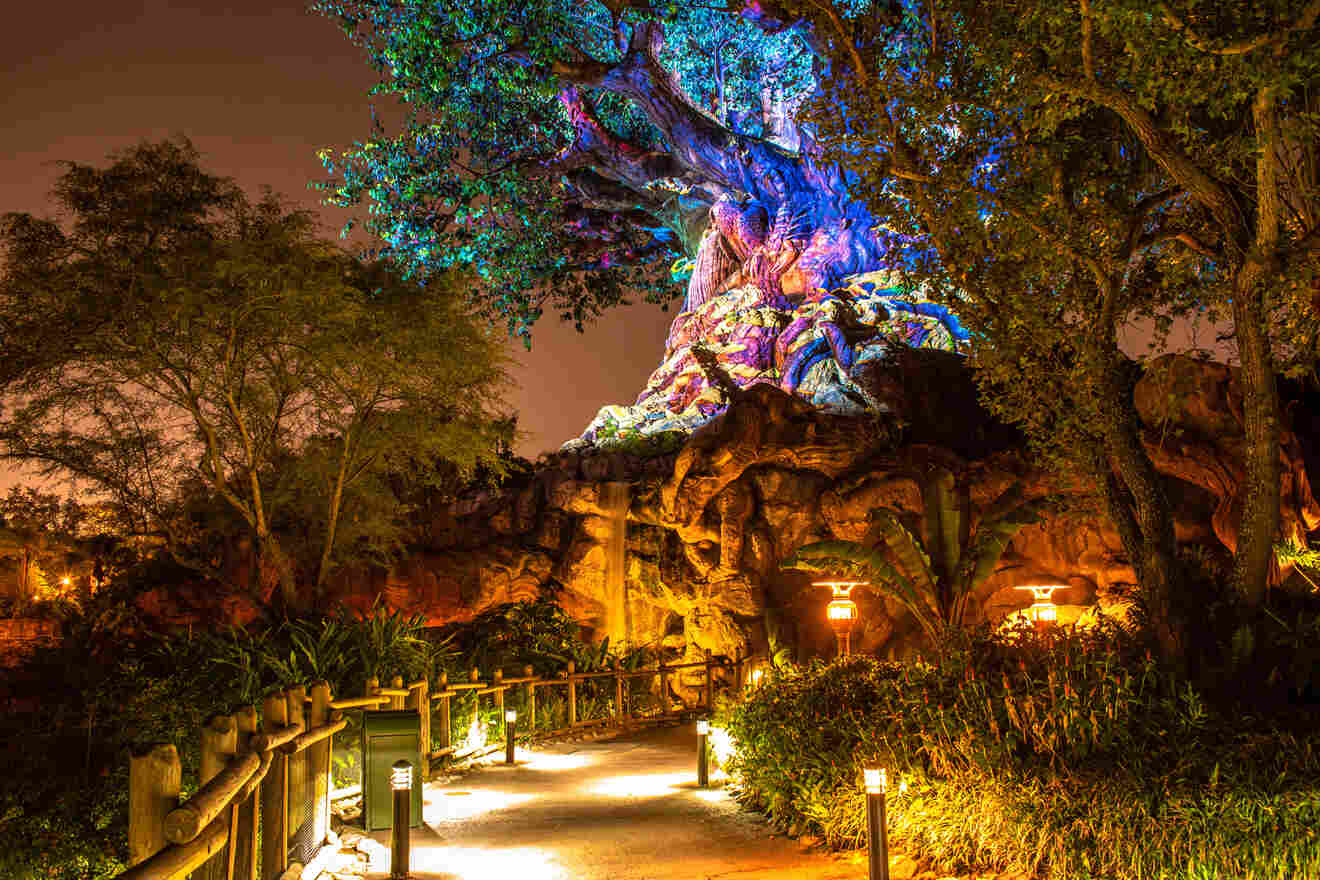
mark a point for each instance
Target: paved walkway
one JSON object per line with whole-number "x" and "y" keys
{"x": 625, "y": 809}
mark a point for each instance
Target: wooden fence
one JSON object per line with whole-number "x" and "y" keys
{"x": 265, "y": 778}
{"x": 263, "y": 790}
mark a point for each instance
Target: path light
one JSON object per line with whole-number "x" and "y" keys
{"x": 842, "y": 611}
{"x": 757, "y": 674}
{"x": 876, "y": 834}
{"x": 1043, "y": 612}
{"x": 703, "y": 759}
{"x": 510, "y": 728}
{"x": 401, "y": 780}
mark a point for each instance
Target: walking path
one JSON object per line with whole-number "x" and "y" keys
{"x": 624, "y": 809}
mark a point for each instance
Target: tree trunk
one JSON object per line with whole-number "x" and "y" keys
{"x": 332, "y": 524}
{"x": 1146, "y": 520}
{"x": 1259, "y": 525}
{"x": 269, "y": 548}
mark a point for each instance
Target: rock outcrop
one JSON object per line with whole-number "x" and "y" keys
{"x": 706, "y": 528}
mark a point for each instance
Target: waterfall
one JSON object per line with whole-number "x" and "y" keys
{"x": 614, "y": 501}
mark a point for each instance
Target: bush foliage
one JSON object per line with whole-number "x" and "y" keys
{"x": 1071, "y": 756}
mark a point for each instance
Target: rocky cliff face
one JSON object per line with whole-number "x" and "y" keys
{"x": 684, "y": 549}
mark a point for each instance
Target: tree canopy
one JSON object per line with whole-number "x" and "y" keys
{"x": 1053, "y": 172}
{"x": 1076, "y": 169}
{"x": 172, "y": 336}
{"x": 571, "y": 152}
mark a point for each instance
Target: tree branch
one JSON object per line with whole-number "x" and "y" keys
{"x": 1161, "y": 145}
{"x": 1304, "y": 22}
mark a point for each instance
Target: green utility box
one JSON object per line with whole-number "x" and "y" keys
{"x": 387, "y": 737}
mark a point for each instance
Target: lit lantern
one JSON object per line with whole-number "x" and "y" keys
{"x": 841, "y": 612}
{"x": 874, "y": 780}
{"x": 401, "y": 776}
{"x": 1042, "y": 612}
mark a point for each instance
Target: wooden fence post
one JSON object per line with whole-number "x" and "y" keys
{"x": 446, "y": 740}
{"x": 531, "y": 699}
{"x": 419, "y": 698}
{"x": 154, "y": 777}
{"x": 619, "y": 713}
{"x": 219, "y": 744}
{"x": 497, "y": 678}
{"x": 710, "y": 682}
{"x": 318, "y": 759}
{"x": 396, "y": 702}
{"x": 572, "y": 694}
{"x": 275, "y": 792}
{"x": 295, "y": 767}
{"x": 248, "y": 834}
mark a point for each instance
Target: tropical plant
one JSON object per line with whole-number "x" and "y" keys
{"x": 935, "y": 571}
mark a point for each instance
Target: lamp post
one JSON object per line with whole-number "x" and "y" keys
{"x": 510, "y": 729}
{"x": 842, "y": 612}
{"x": 703, "y": 757}
{"x": 401, "y": 782}
{"x": 1043, "y": 612}
{"x": 877, "y": 857}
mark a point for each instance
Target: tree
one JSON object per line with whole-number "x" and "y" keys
{"x": 1075, "y": 168}
{"x": 177, "y": 335}
{"x": 38, "y": 530}
{"x": 556, "y": 148}
{"x": 933, "y": 572}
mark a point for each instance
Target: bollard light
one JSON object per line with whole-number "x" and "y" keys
{"x": 841, "y": 612}
{"x": 875, "y": 782}
{"x": 703, "y": 753}
{"x": 510, "y": 731}
{"x": 401, "y": 778}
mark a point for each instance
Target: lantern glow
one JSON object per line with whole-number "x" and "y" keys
{"x": 511, "y": 715}
{"x": 703, "y": 728}
{"x": 874, "y": 780}
{"x": 1042, "y": 610}
{"x": 401, "y": 776}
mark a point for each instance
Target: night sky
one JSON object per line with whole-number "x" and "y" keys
{"x": 258, "y": 86}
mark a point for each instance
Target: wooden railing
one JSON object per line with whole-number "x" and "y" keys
{"x": 242, "y": 806}
{"x": 498, "y": 687}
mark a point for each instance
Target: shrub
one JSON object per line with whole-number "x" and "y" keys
{"x": 1075, "y": 756}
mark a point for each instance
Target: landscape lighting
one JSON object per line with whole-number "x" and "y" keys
{"x": 841, "y": 612}
{"x": 877, "y": 857}
{"x": 401, "y": 774}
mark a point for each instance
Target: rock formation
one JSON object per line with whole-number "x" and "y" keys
{"x": 706, "y": 529}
